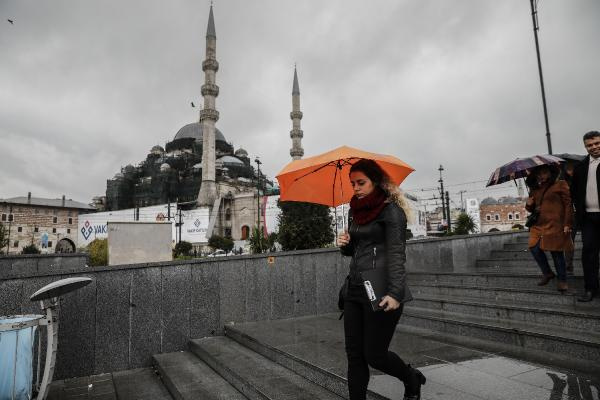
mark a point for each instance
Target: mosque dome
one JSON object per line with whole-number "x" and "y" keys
{"x": 194, "y": 130}
{"x": 489, "y": 201}
{"x": 241, "y": 153}
{"x": 157, "y": 150}
{"x": 229, "y": 160}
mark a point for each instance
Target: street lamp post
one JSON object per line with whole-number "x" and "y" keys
{"x": 536, "y": 27}
{"x": 257, "y": 161}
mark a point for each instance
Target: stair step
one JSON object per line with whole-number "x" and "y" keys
{"x": 496, "y": 278}
{"x": 522, "y": 254}
{"x": 575, "y": 344}
{"x": 516, "y": 263}
{"x": 547, "y": 297}
{"x": 562, "y": 316}
{"x": 254, "y": 375}
{"x": 523, "y": 246}
{"x": 188, "y": 377}
{"x": 140, "y": 384}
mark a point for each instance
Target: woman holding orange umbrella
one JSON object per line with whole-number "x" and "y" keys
{"x": 377, "y": 228}
{"x": 376, "y": 241}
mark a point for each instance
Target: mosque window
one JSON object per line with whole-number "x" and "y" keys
{"x": 16, "y": 243}
{"x": 3, "y": 217}
{"x": 488, "y": 217}
{"x": 36, "y": 229}
{"x": 70, "y": 221}
{"x": 228, "y": 214}
{"x": 20, "y": 229}
{"x": 497, "y": 217}
{"x": 517, "y": 216}
{"x": 510, "y": 216}
{"x": 54, "y": 220}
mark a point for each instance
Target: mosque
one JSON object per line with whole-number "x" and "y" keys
{"x": 200, "y": 168}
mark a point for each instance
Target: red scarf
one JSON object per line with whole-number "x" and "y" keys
{"x": 368, "y": 208}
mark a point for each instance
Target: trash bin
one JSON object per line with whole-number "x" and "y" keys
{"x": 17, "y": 338}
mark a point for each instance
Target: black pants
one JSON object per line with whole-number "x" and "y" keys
{"x": 590, "y": 255}
{"x": 368, "y": 335}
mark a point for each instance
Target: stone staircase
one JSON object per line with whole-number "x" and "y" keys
{"x": 458, "y": 323}
{"x": 500, "y": 306}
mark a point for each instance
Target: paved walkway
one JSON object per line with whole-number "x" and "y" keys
{"x": 453, "y": 372}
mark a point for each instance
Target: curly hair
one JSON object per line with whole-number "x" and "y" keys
{"x": 381, "y": 180}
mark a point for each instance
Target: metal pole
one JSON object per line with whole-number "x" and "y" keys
{"x": 260, "y": 232}
{"x": 448, "y": 211}
{"x": 536, "y": 27}
{"x": 441, "y": 181}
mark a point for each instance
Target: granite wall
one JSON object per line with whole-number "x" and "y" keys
{"x": 13, "y": 266}
{"x": 130, "y": 312}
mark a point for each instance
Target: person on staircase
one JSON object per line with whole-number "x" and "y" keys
{"x": 377, "y": 236}
{"x": 549, "y": 203}
{"x": 585, "y": 191}
{"x": 568, "y": 169}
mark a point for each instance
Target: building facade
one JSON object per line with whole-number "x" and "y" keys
{"x": 503, "y": 214}
{"x": 49, "y": 224}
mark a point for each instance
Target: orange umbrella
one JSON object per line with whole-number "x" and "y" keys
{"x": 323, "y": 179}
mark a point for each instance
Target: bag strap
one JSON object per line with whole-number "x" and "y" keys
{"x": 543, "y": 194}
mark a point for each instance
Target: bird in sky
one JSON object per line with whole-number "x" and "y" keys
{"x": 193, "y": 105}
{"x": 11, "y": 21}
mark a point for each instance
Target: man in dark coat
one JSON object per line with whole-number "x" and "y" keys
{"x": 585, "y": 193}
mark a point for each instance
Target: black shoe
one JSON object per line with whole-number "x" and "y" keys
{"x": 417, "y": 380}
{"x": 587, "y": 296}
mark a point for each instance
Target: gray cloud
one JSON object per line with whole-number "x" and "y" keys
{"x": 90, "y": 86}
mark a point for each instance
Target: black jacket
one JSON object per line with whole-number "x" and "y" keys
{"x": 579, "y": 186}
{"x": 380, "y": 243}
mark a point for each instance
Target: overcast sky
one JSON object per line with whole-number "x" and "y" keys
{"x": 89, "y": 86}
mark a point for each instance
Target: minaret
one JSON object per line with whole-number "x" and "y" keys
{"x": 209, "y": 116}
{"x": 296, "y": 115}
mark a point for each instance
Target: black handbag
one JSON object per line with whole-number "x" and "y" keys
{"x": 533, "y": 218}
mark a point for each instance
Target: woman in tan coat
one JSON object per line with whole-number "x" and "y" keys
{"x": 552, "y": 230}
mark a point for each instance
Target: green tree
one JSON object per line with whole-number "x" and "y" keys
{"x": 3, "y": 238}
{"x": 182, "y": 248}
{"x": 304, "y": 226}
{"x": 220, "y": 242}
{"x": 30, "y": 249}
{"x": 261, "y": 244}
{"x": 464, "y": 224}
{"x": 98, "y": 249}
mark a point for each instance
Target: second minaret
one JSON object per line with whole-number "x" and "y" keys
{"x": 296, "y": 115}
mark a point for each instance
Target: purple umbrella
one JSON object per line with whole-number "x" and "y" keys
{"x": 520, "y": 168}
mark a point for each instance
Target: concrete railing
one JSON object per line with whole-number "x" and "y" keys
{"x": 130, "y": 312}
{"x": 18, "y": 265}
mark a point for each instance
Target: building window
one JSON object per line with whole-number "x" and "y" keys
{"x": 68, "y": 230}
{"x": 510, "y": 216}
{"x": 16, "y": 243}
{"x": 228, "y": 215}
{"x": 69, "y": 213}
{"x": 3, "y": 217}
{"x": 54, "y": 220}
{"x": 497, "y": 217}
{"x": 10, "y": 218}
{"x": 70, "y": 221}
{"x": 20, "y": 229}
{"x": 36, "y": 229}
{"x": 517, "y": 216}
{"x": 488, "y": 217}
{"x": 53, "y": 230}
{"x": 49, "y": 244}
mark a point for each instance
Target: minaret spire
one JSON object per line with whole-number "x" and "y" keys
{"x": 296, "y": 115}
{"x": 209, "y": 116}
